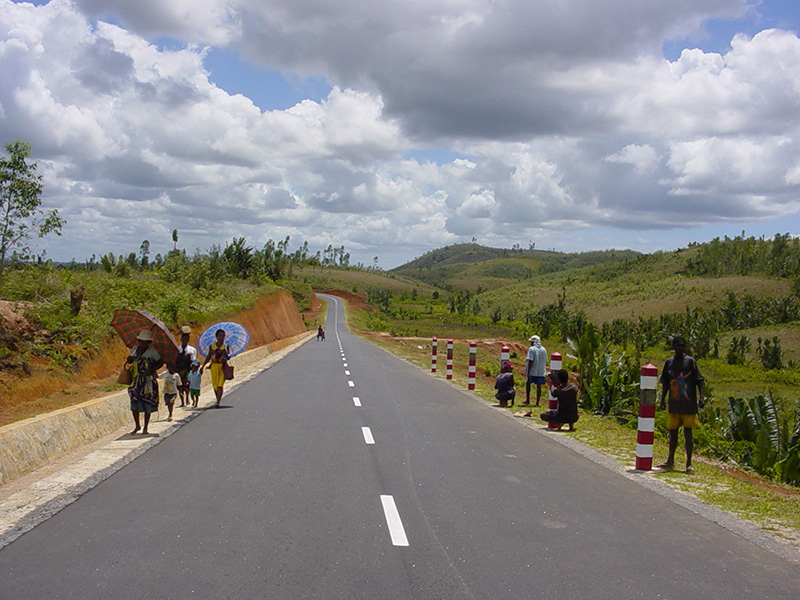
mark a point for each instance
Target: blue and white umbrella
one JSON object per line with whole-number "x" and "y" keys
{"x": 236, "y": 337}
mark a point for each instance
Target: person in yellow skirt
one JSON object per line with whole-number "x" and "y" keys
{"x": 218, "y": 354}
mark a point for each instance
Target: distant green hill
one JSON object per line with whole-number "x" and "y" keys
{"x": 474, "y": 267}
{"x": 608, "y": 284}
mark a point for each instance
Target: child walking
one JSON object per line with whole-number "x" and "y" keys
{"x": 172, "y": 381}
{"x": 194, "y": 376}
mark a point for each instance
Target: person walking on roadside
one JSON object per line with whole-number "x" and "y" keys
{"x": 682, "y": 381}
{"x": 183, "y": 364}
{"x": 172, "y": 382}
{"x": 195, "y": 377}
{"x": 535, "y": 368}
{"x": 144, "y": 362}
{"x": 218, "y": 354}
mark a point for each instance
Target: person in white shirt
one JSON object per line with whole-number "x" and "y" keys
{"x": 194, "y": 382}
{"x": 172, "y": 382}
{"x": 183, "y": 365}
{"x": 535, "y": 368}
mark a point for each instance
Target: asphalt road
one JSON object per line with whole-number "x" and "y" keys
{"x": 344, "y": 472}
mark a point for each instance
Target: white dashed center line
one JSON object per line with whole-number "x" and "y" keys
{"x": 396, "y": 530}
{"x": 368, "y": 435}
{"x": 351, "y": 384}
{"x": 356, "y": 400}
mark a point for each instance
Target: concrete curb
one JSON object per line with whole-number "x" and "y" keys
{"x": 35, "y": 497}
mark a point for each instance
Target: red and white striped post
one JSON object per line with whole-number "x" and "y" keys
{"x": 434, "y": 344}
{"x": 505, "y": 354}
{"x": 552, "y": 403}
{"x": 473, "y": 351}
{"x": 449, "y": 369}
{"x": 647, "y": 417}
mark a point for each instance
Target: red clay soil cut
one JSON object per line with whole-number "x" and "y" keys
{"x": 41, "y": 390}
{"x": 353, "y": 300}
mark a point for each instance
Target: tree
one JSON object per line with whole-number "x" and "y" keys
{"x": 20, "y": 215}
{"x": 144, "y": 254}
{"x": 175, "y": 239}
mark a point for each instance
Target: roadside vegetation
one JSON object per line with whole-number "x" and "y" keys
{"x": 55, "y": 331}
{"x": 606, "y": 313}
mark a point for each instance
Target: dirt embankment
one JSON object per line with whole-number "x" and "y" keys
{"x": 37, "y": 388}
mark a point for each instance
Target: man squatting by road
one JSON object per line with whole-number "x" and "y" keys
{"x": 681, "y": 379}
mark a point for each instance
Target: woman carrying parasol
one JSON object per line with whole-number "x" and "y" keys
{"x": 143, "y": 361}
{"x": 218, "y": 355}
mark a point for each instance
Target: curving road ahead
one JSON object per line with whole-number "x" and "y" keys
{"x": 344, "y": 472}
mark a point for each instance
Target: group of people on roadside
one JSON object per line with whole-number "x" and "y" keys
{"x": 181, "y": 379}
{"x": 680, "y": 380}
{"x": 564, "y": 391}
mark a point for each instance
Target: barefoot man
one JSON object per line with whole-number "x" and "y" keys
{"x": 681, "y": 379}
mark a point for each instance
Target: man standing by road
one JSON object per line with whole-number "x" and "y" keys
{"x": 681, "y": 379}
{"x": 535, "y": 365}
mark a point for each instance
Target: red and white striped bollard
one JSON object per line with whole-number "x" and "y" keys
{"x": 647, "y": 417}
{"x": 505, "y": 353}
{"x": 449, "y": 369}
{"x": 552, "y": 403}
{"x": 434, "y": 344}
{"x": 473, "y": 351}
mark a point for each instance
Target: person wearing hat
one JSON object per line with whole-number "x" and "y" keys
{"x": 183, "y": 364}
{"x": 535, "y": 368}
{"x": 144, "y": 363}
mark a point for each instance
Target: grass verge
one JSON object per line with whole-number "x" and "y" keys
{"x": 772, "y": 507}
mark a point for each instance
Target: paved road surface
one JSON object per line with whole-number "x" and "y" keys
{"x": 344, "y": 472}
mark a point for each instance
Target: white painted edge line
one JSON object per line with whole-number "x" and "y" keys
{"x": 356, "y": 400}
{"x": 396, "y": 530}
{"x": 351, "y": 384}
{"x": 368, "y": 435}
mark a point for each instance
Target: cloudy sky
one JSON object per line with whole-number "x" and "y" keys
{"x": 394, "y": 128}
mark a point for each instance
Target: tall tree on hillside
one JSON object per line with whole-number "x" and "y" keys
{"x": 20, "y": 215}
{"x": 144, "y": 254}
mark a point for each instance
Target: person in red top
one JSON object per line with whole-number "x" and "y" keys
{"x": 682, "y": 381}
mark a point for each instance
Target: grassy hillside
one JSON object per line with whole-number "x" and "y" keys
{"x": 474, "y": 268}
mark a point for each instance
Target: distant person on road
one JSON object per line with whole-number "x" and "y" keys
{"x": 218, "y": 355}
{"x": 682, "y": 381}
{"x": 194, "y": 377}
{"x": 186, "y": 355}
{"x": 504, "y": 384}
{"x": 172, "y": 382}
{"x": 320, "y": 334}
{"x": 535, "y": 368}
{"x": 144, "y": 362}
{"x": 567, "y": 395}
